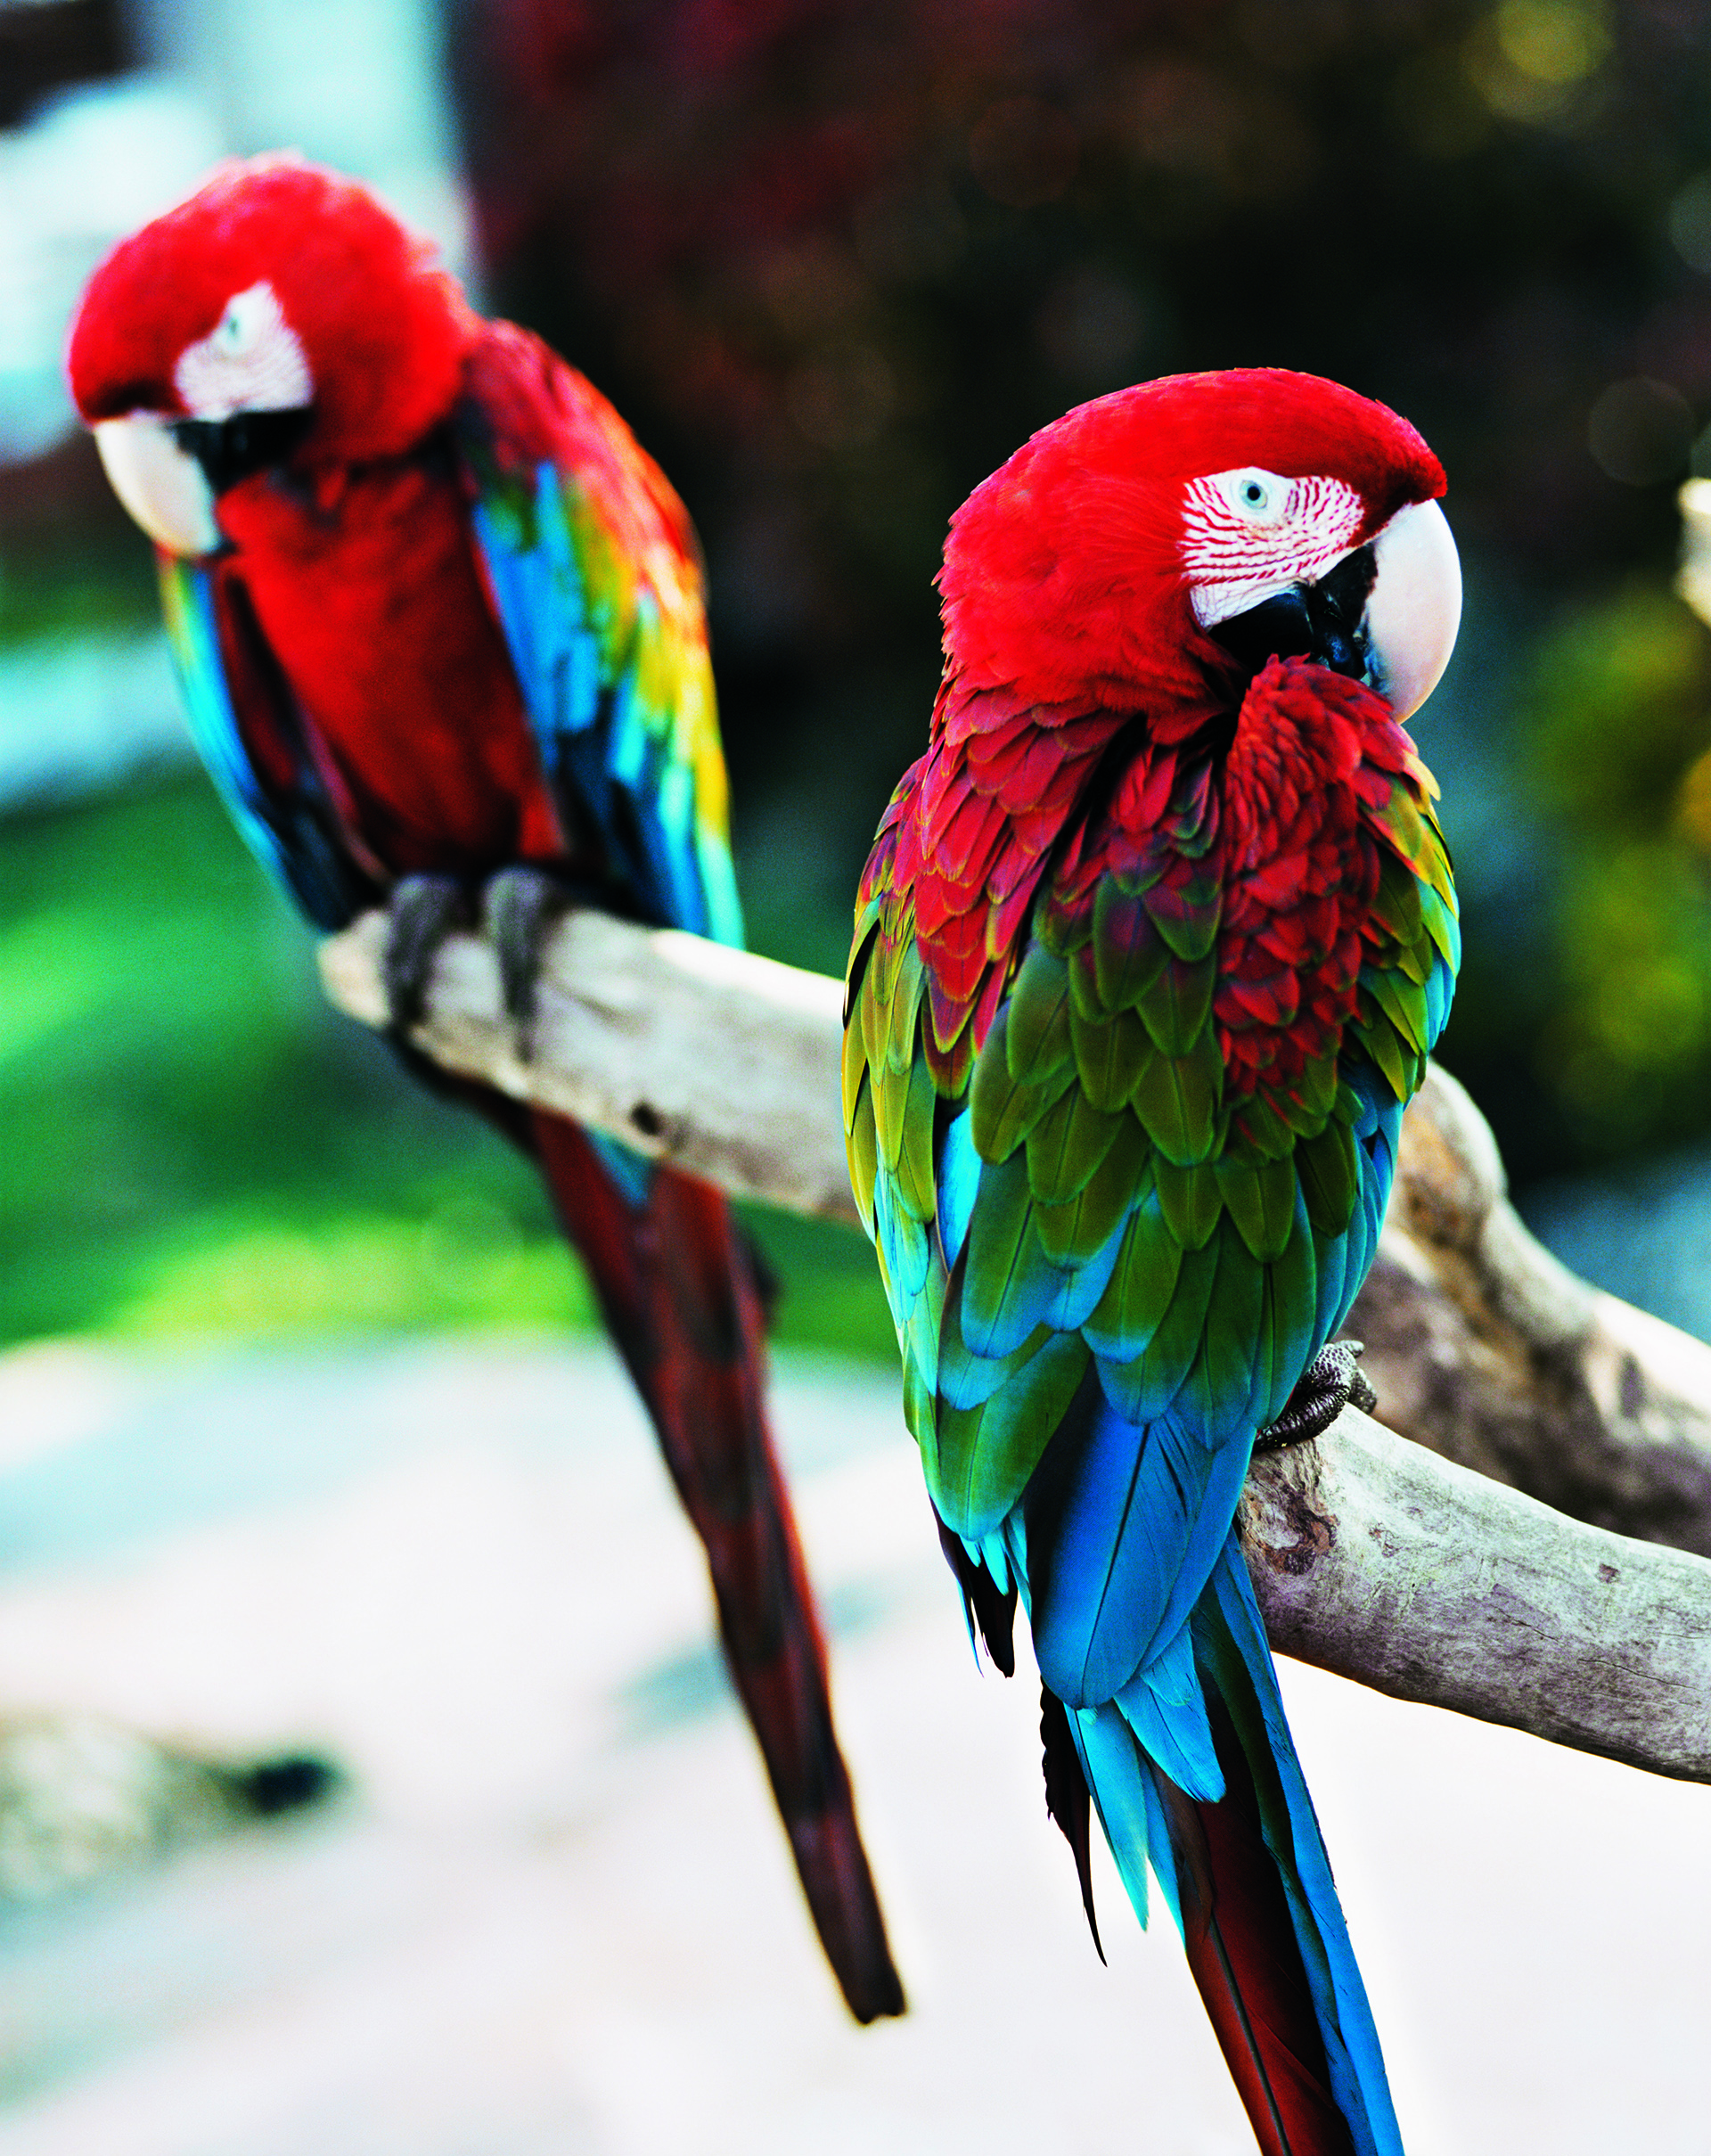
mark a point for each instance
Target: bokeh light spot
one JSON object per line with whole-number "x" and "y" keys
{"x": 1529, "y": 59}
{"x": 1553, "y": 41}
{"x": 1640, "y": 431}
{"x": 1690, "y": 222}
{"x": 1023, "y": 151}
{"x": 1693, "y": 804}
{"x": 842, "y": 398}
{"x": 1649, "y": 1015}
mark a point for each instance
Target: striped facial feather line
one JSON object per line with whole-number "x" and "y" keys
{"x": 251, "y": 361}
{"x": 1236, "y": 557}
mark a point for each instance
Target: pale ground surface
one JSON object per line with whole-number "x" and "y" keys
{"x": 553, "y": 1917}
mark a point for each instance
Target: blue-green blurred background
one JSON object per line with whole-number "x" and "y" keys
{"x": 835, "y": 260}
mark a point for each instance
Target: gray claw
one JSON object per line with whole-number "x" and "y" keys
{"x": 522, "y": 905}
{"x": 421, "y": 912}
{"x": 1331, "y": 1382}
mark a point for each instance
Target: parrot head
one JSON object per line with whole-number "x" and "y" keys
{"x": 1149, "y": 551}
{"x": 279, "y": 314}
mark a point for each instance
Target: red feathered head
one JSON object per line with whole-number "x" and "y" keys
{"x": 1114, "y": 559}
{"x": 277, "y": 289}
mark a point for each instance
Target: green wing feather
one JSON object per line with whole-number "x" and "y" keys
{"x": 1114, "y": 1212}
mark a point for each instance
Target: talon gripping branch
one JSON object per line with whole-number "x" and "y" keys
{"x": 438, "y": 624}
{"x": 1150, "y": 953}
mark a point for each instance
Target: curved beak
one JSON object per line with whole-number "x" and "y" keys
{"x": 164, "y": 490}
{"x": 1414, "y": 608}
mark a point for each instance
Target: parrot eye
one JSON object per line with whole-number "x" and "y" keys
{"x": 1257, "y": 497}
{"x": 247, "y": 317}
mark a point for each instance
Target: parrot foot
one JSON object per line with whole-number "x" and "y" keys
{"x": 422, "y": 912}
{"x": 1331, "y": 1382}
{"x": 523, "y": 905}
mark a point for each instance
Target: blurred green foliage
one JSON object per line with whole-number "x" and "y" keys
{"x": 195, "y": 1144}
{"x": 63, "y": 584}
{"x": 1614, "y": 750}
{"x": 1619, "y": 707}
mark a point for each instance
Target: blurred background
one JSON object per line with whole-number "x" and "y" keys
{"x": 833, "y": 259}
{"x": 834, "y": 262}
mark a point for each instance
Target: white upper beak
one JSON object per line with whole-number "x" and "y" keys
{"x": 1415, "y": 606}
{"x": 165, "y": 490}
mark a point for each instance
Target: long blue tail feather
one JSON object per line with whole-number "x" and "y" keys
{"x": 1307, "y": 2097}
{"x": 1227, "y": 1618}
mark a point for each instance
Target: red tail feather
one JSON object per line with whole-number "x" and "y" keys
{"x": 680, "y": 1299}
{"x": 1242, "y": 1951}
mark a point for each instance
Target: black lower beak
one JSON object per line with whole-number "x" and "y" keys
{"x": 1322, "y": 621}
{"x": 232, "y": 449}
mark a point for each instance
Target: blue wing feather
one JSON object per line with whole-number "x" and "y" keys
{"x": 608, "y": 767}
{"x": 292, "y": 832}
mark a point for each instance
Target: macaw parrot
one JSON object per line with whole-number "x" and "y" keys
{"x": 1150, "y": 953}
{"x": 438, "y": 621}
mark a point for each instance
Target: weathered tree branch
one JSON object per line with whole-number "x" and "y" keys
{"x": 1376, "y": 1559}
{"x": 1372, "y": 1557}
{"x": 714, "y": 1060}
{"x": 1482, "y": 1347}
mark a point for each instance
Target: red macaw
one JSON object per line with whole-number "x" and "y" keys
{"x": 1149, "y": 954}
{"x": 438, "y": 624}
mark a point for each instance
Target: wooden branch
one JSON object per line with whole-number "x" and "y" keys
{"x": 1374, "y": 1558}
{"x": 1371, "y": 1556}
{"x": 714, "y": 1060}
{"x": 1480, "y": 1345}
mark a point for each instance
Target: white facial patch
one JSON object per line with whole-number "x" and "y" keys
{"x": 251, "y": 361}
{"x": 1247, "y": 534}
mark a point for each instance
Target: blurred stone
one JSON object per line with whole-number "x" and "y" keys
{"x": 81, "y": 1795}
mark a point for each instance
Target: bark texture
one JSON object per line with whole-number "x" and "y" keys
{"x": 1480, "y": 1345}
{"x": 1375, "y": 1559}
